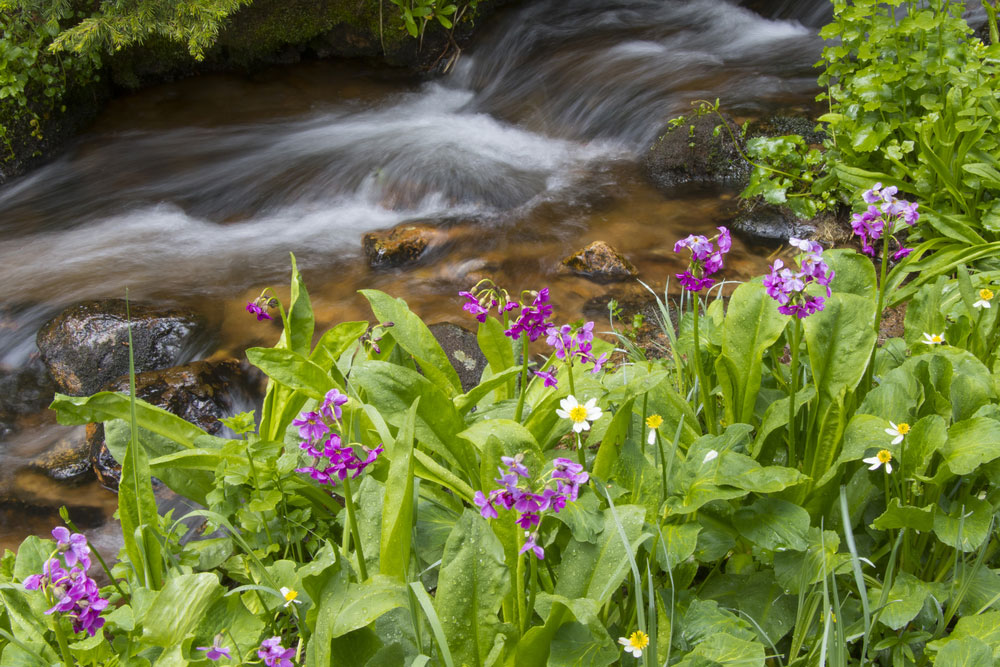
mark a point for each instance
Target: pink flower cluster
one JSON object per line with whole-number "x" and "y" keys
{"x": 274, "y": 654}
{"x": 534, "y": 499}
{"x": 883, "y": 213}
{"x": 787, "y": 287}
{"x": 480, "y": 306}
{"x": 569, "y": 343}
{"x": 75, "y": 593}
{"x": 332, "y": 459}
{"x": 533, "y": 318}
{"x": 706, "y": 259}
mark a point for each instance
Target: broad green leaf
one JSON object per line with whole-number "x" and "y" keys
{"x": 594, "y": 571}
{"x": 299, "y": 324}
{"x": 468, "y": 400}
{"x": 471, "y": 585}
{"x": 515, "y": 437}
{"x": 360, "y": 604}
{"x": 983, "y": 628}
{"x": 966, "y": 652}
{"x": 496, "y": 348}
{"x": 705, "y": 618}
{"x": 678, "y": 544}
{"x": 966, "y": 525}
{"x": 413, "y": 336}
{"x": 896, "y": 516}
{"x": 137, "y": 511}
{"x": 105, "y": 406}
{"x": 334, "y": 342}
{"x": 397, "y": 505}
{"x": 724, "y": 649}
{"x": 757, "y": 596}
{"x": 579, "y": 645}
{"x": 773, "y": 524}
{"x": 752, "y": 325}
{"x": 906, "y": 599}
{"x": 970, "y": 444}
{"x": 292, "y": 370}
{"x": 179, "y": 607}
{"x": 796, "y": 570}
{"x": 25, "y": 623}
{"x": 853, "y": 272}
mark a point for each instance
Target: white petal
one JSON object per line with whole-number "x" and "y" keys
{"x": 568, "y": 403}
{"x": 590, "y": 404}
{"x": 581, "y": 426}
{"x": 711, "y": 456}
{"x": 875, "y": 466}
{"x": 623, "y": 641}
{"x": 898, "y": 439}
{"x": 284, "y": 590}
{"x": 637, "y": 652}
{"x": 892, "y": 431}
{"x": 888, "y": 467}
{"x": 562, "y": 413}
{"x": 652, "y": 437}
{"x": 593, "y": 414}
{"x": 873, "y": 460}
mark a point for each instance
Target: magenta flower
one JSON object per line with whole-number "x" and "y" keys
{"x": 330, "y": 408}
{"x": 883, "y": 215}
{"x": 474, "y": 307}
{"x": 74, "y": 592}
{"x": 533, "y": 318}
{"x": 569, "y": 343}
{"x": 787, "y": 286}
{"x": 73, "y": 546}
{"x": 706, "y": 259}
{"x": 530, "y": 544}
{"x": 255, "y": 309}
{"x": 548, "y": 378}
{"x": 274, "y": 654}
{"x": 216, "y": 650}
{"x": 311, "y": 426}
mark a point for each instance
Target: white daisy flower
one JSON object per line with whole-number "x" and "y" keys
{"x": 635, "y": 642}
{"x": 933, "y": 339}
{"x": 898, "y": 431}
{"x": 884, "y": 457}
{"x": 985, "y": 296}
{"x": 580, "y": 415}
{"x": 290, "y": 596}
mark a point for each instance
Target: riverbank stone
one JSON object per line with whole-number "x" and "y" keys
{"x": 462, "y": 348}
{"x": 24, "y": 391}
{"x": 601, "y": 263}
{"x": 86, "y": 345}
{"x": 201, "y": 393}
{"x": 68, "y": 460}
{"x": 693, "y": 151}
{"x": 400, "y": 245}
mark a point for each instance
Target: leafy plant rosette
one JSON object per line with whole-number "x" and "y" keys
{"x": 777, "y": 488}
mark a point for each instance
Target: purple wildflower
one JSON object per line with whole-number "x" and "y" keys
{"x": 474, "y": 307}
{"x": 74, "y": 547}
{"x": 485, "y": 505}
{"x": 706, "y": 259}
{"x": 514, "y": 464}
{"x": 274, "y": 654}
{"x": 74, "y": 592}
{"x": 533, "y": 319}
{"x": 255, "y": 309}
{"x": 311, "y": 426}
{"x": 787, "y": 287}
{"x": 532, "y": 545}
{"x": 882, "y": 216}
{"x": 549, "y": 378}
{"x": 216, "y": 650}
{"x": 330, "y": 408}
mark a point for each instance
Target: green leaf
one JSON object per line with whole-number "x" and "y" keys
{"x": 752, "y": 325}
{"x": 179, "y": 607}
{"x": 467, "y": 401}
{"x": 774, "y": 524}
{"x": 579, "y": 645}
{"x": 397, "y": 506}
{"x": 896, "y": 516}
{"x": 497, "y": 349}
{"x": 981, "y": 629}
{"x": 724, "y": 649}
{"x": 471, "y": 586}
{"x": 299, "y": 322}
{"x": 292, "y": 370}
{"x": 137, "y": 510}
{"x": 906, "y": 599}
{"x": 677, "y": 544}
{"x": 757, "y": 596}
{"x": 360, "y": 604}
{"x": 970, "y": 444}
{"x": 104, "y": 406}
{"x": 796, "y": 571}
{"x": 965, "y": 652}
{"x": 334, "y": 342}
{"x": 594, "y": 571}
{"x": 413, "y": 336}
{"x": 966, "y": 525}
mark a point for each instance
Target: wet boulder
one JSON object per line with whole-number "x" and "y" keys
{"x": 24, "y": 391}
{"x": 200, "y": 392}
{"x": 400, "y": 245}
{"x": 67, "y": 460}
{"x": 601, "y": 263}
{"x": 462, "y": 348}
{"x": 771, "y": 225}
{"x": 697, "y": 150}
{"x": 86, "y": 346}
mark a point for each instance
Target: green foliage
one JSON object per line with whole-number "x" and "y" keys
{"x": 791, "y": 176}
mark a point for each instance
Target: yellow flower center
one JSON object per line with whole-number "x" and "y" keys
{"x": 985, "y": 294}
{"x": 291, "y": 595}
{"x": 654, "y": 421}
{"x": 578, "y": 414}
{"x": 903, "y": 428}
{"x": 884, "y": 456}
{"x": 639, "y": 640}
{"x": 936, "y": 338}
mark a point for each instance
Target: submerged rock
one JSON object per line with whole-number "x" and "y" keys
{"x": 68, "y": 459}
{"x": 462, "y": 348}
{"x": 695, "y": 152}
{"x": 400, "y": 245}
{"x": 769, "y": 224}
{"x": 200, "y": 392}
{"x": 25, "y": 391}
{"x": 601, "y": 263}
{"x": 86, "y": 346}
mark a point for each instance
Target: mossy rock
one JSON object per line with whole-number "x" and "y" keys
{"x": 601, "y": 263}
{"x": 401, "y": 245}
{"x": 698, "y": 150}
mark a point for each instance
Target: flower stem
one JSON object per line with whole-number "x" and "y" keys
{"x": 97, "y": 554}
{"x": 569, "y": 369}
{"x": 60, "y": 635}
{"x": 663, "y": 466}
{"x": 524, "y": 379}
{"x": 793, "y": 383}
{"x": 522, "y": 623}
{"x": 706, "y": 396}
{"x": 349, "y": 501}
{"x": 580, "y": 454}
{"x": 532, "y": 587}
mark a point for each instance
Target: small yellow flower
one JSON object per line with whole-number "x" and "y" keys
{"x": 290, "y": 596}
{"x": 653, "y": 422}
{"x": 884, "y": 457}
{"x": 898, "y": 431}
{"x": 985, "y": 296}
{"x": 933, "y": 339}
{"x": 634, "y": 644}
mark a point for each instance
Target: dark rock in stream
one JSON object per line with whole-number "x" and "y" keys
{"x": 403, "y": 244}
{"x": 200, "y": 392}
{"x": 86, "y": 346}
{"x": 772, "y": 225}
{"x": 463, "y": 352}
{"x": 601, "y": 263}
{"x": 693, "y": 151}
{"x": 68, "y": 460}
{"x": 24, "y": 391}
